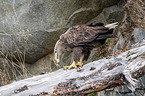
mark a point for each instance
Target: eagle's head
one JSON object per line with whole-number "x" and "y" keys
{"x": 62, "y": 54}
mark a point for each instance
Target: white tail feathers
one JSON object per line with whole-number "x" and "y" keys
{"x": 113, "y": 25}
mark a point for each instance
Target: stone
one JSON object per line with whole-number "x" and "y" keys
{"x": 27, "y": 23}
{"x": 43, "y": 65}
{"x": 139, "y": 34}
{"x": 109, "y": 15}
{"x": 27, "y": 46}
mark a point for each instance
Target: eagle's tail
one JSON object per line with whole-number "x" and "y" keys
{"x": 112, "y": 26}
{"x": 106, "y": 36}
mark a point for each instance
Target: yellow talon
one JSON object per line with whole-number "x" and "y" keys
{"x": 79, "y": 64}
{"x": 72, "y": 65}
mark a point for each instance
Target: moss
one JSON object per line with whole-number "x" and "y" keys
{"x": 92, "y": 94}
{"x": 108, "y": 40}
{"x": 97, "y": 58}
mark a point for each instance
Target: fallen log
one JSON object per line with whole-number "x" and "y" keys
{"x": 124, "y": 69}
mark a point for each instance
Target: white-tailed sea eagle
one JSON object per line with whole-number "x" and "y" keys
{"x": 82, "y": 39}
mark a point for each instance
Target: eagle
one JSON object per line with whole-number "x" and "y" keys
{"x": 81, "y": 39}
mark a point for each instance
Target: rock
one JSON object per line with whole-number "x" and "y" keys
{"x": 109, "y": 15}
{"x": 138, "y": 34}
{"x": 43, "y": 65}
{"x": 27, "y": 46}
{"x": 110, "y": 75}
{"x": 83, "y": 15}
{"x": 29, "y": 21}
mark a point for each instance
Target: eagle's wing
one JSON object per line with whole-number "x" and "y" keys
{"x": 82, "y": 34}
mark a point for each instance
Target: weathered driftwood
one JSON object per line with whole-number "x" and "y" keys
{"x": 106, "y": 73}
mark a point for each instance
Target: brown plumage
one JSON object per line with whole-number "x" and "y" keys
{"x": 82, "y": 39}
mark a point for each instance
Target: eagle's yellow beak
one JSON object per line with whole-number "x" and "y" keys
{"x": 56, "y": 58}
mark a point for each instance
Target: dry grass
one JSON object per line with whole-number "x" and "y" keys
{"x": 12, "y": 58}
{"x": 12, "y": 61}
{"x": 134, "y": 14}
{"x": 134, "y": 17}
{"x": 135, "y": 11}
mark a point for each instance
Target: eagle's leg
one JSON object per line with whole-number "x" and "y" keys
{"x": 78, "y": 57}
{"x": 71, "y": 66}
{"x": 80, "y": 63}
